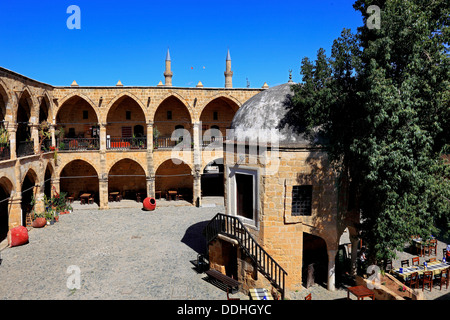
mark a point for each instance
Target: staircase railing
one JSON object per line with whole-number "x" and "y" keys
{"x": 232, "y": 227}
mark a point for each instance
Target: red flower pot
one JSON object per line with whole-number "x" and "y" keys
{"x": 149, "y": 204}
{"x": 39, "y": 223}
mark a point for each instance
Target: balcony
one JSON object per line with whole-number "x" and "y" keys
{"x": 5, "y": 152}
{"x": 126, "y": 143}
{"x": 25, "y": 148}
{"x": 78, "y": 144}
{"x": 170, "y": 143}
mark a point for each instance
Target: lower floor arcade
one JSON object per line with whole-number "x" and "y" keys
{"x": 105, "y": 178}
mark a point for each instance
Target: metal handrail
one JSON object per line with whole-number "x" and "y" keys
{"x": 232, "y": 227}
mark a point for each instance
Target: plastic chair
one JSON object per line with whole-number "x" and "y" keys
{"x": 427, "y": 279}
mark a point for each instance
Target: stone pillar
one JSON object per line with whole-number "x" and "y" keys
{"x": 197, "y": 147}
{"x": 197, "y": 188}
{"x": 34, "y": 128}
{"x": 15, "y": 210}
{"x": 12, "y": 129}
{"x": 331, "y": 270}
{"x": 52, "y": 132}
{"x": 103, "y": 192}
{"x": 103, "y": 137}
{"x": 56, "y": 184}
{"x": 151, "y": 186}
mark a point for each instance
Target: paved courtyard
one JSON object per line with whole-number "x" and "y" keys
{"x": 123, "y": 253}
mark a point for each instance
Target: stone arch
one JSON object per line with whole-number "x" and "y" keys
{"x": 5, "y": 111}
{"x": 32, "y": 103}
{"x": 122, "y": 95}
{"x": 128, "y": 177}
{"x": 174, "y": 174}
{"x": 49, "y": 175}
{"x": 177, "y": 96}
{"x": 29, "y": 190}
{"x": 212, "y": 181}
{"x": 79, "y": 176}
{"x": 72, "y": 95}
{"x": 124, "y": 114}
{"x": 315, "y": 255}
{"x": 46, "y": 99}
{"x": 234, "y": 102}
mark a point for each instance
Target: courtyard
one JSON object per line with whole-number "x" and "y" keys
{"x": 126, "y": 253}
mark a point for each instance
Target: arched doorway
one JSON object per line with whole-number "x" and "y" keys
{"x": 79, "y": 177}
{"x": 128, "y": 178}
{"x": 29, "y": 188}
{"x": 315, "y": 257}
{"x": 174, "y": 175}
{"x": 5, "y": 193}
{"x": 212, "y": 179}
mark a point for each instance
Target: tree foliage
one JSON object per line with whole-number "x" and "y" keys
{"x": 382, "y": 102}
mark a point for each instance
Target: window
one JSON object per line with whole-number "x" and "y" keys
{"x": 169, "y": 115}
{"x": 301, "y": 200}
{"x": 244, "y": 195}
{"x": 85, "y": 114}
{"x": 216, "y": 115}
{"x": 128, "y": 115}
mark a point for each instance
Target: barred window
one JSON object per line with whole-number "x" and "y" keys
{"x": 301, "y": 200}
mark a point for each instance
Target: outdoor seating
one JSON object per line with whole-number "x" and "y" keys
{"x": 427, "y": 280}
{"x": 404, "y": 263}
{"x": 308, "y": 297}
{"x": 433, "y": 247}
{"x": 431, "y": 260}
{"x": 413, "y": 280}
{"x": 444, "y": 278}
{"x": 415, "y": 261}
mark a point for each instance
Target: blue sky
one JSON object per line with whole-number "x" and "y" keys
{"x": 128, "y": 40}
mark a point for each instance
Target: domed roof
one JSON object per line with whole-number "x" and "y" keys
{"x": 266, "y": 116}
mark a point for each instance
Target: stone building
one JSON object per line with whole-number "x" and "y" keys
{"x": 129, "y": 139}
{"x": 284, "y": 201}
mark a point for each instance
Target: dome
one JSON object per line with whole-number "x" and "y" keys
{"x": 266, "y": 118}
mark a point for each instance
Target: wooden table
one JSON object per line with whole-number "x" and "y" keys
{"x": 360, "y": 292}
{"x": 85, "y": 197}
{"x": 171, "y": 194}
{"x": 260, "y": 294}
{"x": 114, "y": 195}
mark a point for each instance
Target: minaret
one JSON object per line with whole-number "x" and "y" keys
{"x": 228, "y": 72}
{"x": 168, "y": 73}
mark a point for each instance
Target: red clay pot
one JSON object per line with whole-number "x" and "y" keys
{"x": 39, "y": 223}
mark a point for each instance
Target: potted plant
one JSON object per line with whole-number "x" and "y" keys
{"x": 39, "y": 220}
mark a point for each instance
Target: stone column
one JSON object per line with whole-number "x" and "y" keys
{"x": 34, "y": 128}
{"x": 12, "y": 129}
{"x": 56, "y": 184}
{"x": 102, "y": 137}
{"x": 103, "y": 192}
{"x": 197, "y": 148}
{"x": 197, "y": 188}
{"x": 15, "y": 210}
{"x": 52, "y": 132}
{"x": 151, "y": 186}
{"x": 331, "y": 270}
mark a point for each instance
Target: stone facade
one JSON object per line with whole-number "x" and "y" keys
{"x": 106, "y": 120}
